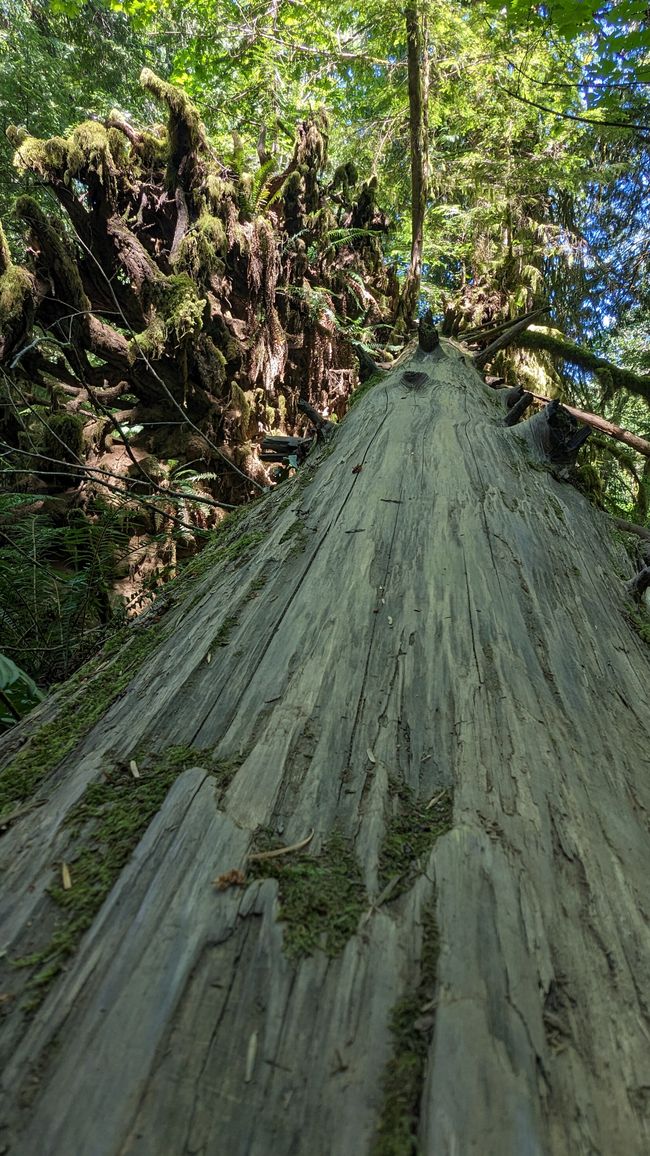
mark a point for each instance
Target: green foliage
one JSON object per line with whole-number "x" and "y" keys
{"x": 88, "y": 694}
{"x": 18, "y": 693}
{"x": 55, "y": 69}
{"x": 54, "y": 584}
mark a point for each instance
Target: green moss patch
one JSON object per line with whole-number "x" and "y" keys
{"x": 412, "y": 828}
{"x": 46, "y": 157}
{"x": 321, "y": 896}
{"x": 298, "y": 535}
{"x": 106, "y": 825}
{"x": 16, "y": 287}
{"x": 412, "y": 1024}
{"x": 90, "y": 692}
{"x": 203, "y": 248}
{"x": 639, "y": 620}
{"x": 89, "y": 151}
{"x": 222, "y": 637}
{"x": 358, "y": 393}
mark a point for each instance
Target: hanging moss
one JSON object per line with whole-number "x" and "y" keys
{"x": 202, "y": 249}
{"x": 240, "y": 401}
{"x": 16, "y": 287}
{"x": 211, "y": 365}
{"x": 186, "y": 132}
{"x": 89, "y": 150}
{"x": 294, "y": 206}
{"x": 219, "y": 190}
{"x": 119, "y": 148}
{"x": 150, "y": 343}
{"x": 178, "y": 313}
{"x": 245, "y": 193}
{"x": 153, "y": 147}
{"x": 48, "y": 158}
{"x": 61, "y": 260}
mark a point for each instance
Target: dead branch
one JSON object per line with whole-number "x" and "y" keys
{"x": 615, "y": 431}
{"x": 507, "y": 337}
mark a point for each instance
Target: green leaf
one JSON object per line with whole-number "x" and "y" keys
{"x": 18, "y": 693}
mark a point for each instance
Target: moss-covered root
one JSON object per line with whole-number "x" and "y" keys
{"x": 186, "y": 132}
{"x": 412, "y": 1024}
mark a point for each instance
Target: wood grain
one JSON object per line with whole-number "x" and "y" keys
{"x": 455, "y": 610}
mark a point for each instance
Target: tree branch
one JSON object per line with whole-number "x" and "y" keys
{"x": 507, "y": 338}
{"x": 631, "y": 528}
{"x": 551, "y": 340}
{"x": 574, "y": 116}
{"x": 613, "y": 431}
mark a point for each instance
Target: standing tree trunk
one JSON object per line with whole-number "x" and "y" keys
{"x": 418, "y": 85}
{"x": 412, "y": 673}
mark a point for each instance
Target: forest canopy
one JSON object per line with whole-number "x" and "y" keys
{"x": 212, "y": 237}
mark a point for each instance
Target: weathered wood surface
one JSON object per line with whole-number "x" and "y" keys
{"x": 456, "y": 612}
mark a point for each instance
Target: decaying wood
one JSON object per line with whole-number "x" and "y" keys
{"x": 460, "y": 615}
{"x": 641, "y": 445}
{"x": 428, "y": 336}
{"x": 323, "y": 426}
{"x": 640, "y": 582}
{"x": 556, "y": 433}
{"x": 516, "y": 411}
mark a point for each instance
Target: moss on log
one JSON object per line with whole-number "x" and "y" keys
{"x": 421, "y": 616}
{"x": 554, "y": 342}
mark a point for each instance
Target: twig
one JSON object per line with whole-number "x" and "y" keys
{"x": 257, "y": 856}
{"x": 7, "y": 820}
{"x": 436, "y": 799}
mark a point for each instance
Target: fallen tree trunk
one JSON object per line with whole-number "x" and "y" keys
{"x": 410, "y": 670}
